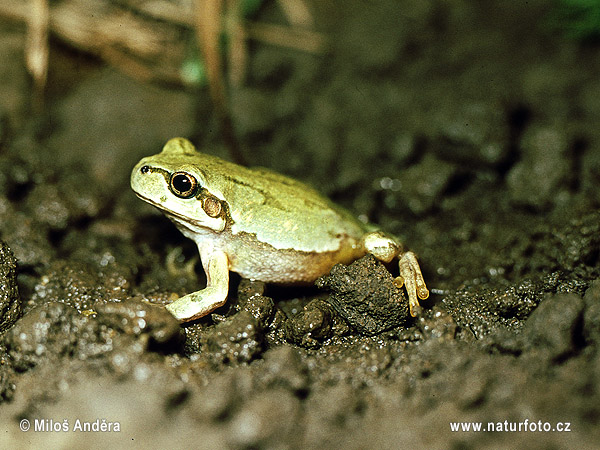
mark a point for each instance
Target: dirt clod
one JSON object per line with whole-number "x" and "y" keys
{"x": 237, "y": 340}
{"x": 10, "y": 302}
{"x": 364, "y": 294}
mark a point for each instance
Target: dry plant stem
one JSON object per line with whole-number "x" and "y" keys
{"x": 180, "y": 12}
{"x": 296, "y": 12}
{"x": 36, "y": 50}
{"x": 237, "y": 51}
{"x": 290, "y": 37}
{"x": 208, "y": 28}
{"x": 17, "y": 10}
{"x": 132, "y": 67}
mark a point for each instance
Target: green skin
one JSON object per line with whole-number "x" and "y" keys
{"x": 258, "y": 223}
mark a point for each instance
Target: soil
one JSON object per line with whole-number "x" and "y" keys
{"x": 467, "y": 129}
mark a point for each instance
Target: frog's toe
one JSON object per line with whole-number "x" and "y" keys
{"x": 195, "y": 305}
{"x": 412, "y": 278}
{"x": 411, "y": 291}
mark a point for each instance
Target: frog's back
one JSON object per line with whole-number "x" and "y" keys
{"x": 287, "y": 213}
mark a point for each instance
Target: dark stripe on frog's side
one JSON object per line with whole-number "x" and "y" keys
{"x": 165, "y": 173}
{"x": 275, "y": 177}
{"x": 167, "y": 176}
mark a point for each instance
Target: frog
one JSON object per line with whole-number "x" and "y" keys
{"x": 260, "y": 224}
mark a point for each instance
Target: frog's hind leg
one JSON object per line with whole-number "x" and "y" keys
{"x": 412, "y": 278}
{"x": 200, "y": 303}
{"x": 385, "y": 249}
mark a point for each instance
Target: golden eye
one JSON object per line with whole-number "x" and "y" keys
{"x": 183, "y": 185}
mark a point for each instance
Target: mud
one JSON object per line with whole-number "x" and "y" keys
{"x": 468, "y": 130}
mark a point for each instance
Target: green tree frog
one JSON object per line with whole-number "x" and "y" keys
{"x": 258, "y": 223}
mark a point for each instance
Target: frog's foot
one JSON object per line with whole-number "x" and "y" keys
{"x": 412, "y": 278}
{"x": 199, "y": 304}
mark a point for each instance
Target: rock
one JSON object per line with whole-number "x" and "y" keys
{"x": 49, "y": 330}
{"x": 239, "y": 339}
{"x": 65, "y": 198}
{"x": 81, "y": 285}
{"x": 475, "y": 135}
{"x": 219, "y": 397}
{"x": 437, "y": 324}
{"x": 125, "y": 330}
{"x": 249, "y": 288}
{"x": 365, "y": 295}
{"x": 261, "y": 308}
{"x": 485, "y": 311}
{"x": 591, "y": 316}
{"x": 311, "y": 326}
{"x": 421, "y": 186}
{"x": 10, "y": 302}
{"x": 28, "y": 239}
{"x": 153, "y": 324}
{"x": 553, "y": 329}
{"x": 8, "y": 377}
{"x": 545, "y": 165}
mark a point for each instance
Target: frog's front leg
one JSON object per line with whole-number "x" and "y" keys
{"x": 385, "y": 249}
{"x": 200, "y": 303}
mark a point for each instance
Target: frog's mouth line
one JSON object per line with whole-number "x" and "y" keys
{"x": 179, "y": 219}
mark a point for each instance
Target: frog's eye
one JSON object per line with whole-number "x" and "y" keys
{"x": 183, "y": 184}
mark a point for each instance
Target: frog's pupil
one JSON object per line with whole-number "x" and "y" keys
{"x": 183, "y": 185}
{"x": 145, "y": 169}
